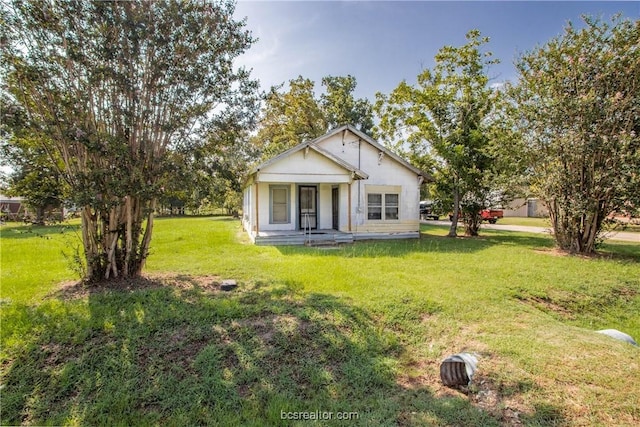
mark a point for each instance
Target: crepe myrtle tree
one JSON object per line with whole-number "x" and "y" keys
{"x": 112, "y": 88}
{"x": 578, "y": 100}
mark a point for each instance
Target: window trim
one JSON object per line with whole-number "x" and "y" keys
{"x": 383, "y": 206}
{"x": 287, "y": 189}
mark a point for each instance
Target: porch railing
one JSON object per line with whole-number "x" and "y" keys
{"x": 306, "y": 227}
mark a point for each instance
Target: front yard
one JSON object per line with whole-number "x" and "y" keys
{"x": 357, "y": 331}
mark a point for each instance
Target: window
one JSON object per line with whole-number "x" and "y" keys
{"x": 374, "y": 206}
{"x": 378, "y": 203}
{"x": 279, "y": 205}
{"x": 391, "y": 206}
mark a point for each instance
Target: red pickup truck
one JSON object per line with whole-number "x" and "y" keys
{"x": 490, "y": 215}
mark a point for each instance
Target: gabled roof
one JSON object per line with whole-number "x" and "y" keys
{"x": 7, "y": 199}
{"x": 375, "y": 144}
{"x": 357, "y": 173}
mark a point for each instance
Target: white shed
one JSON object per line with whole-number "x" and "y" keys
{"x": 341, "y": 186}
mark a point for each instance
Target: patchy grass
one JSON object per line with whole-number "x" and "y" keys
{"x": 359, "y": 329}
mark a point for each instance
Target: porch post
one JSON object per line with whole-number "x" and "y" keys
{"x": 349, "y": 207}
{"x": 257, "y": 213}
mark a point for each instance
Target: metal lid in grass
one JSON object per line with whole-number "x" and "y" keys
{"x": 614, "y": 333}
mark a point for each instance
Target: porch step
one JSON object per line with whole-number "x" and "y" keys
{"x": 299, "y": 239}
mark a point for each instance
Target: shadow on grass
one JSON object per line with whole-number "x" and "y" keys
{"x": 180, "y": 351}
{"x": 427, "y": 243}
{"x": 432, "y": 243}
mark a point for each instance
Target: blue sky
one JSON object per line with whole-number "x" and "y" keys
{"x": 383, "y": 42}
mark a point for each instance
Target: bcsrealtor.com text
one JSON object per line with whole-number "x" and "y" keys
{"x": 318, "y": 415}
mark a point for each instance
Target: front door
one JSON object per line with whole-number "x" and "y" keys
{"x": 335, "y": 208}
{"x": 308, "y": 206}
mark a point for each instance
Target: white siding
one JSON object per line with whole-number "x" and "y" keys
{"x": 264, "y": 198}
{"x": 382, "y": 171}
{"x": 311, "y": 167}
{"x": 386, "y": 175}
{"x": 248, "y": 214}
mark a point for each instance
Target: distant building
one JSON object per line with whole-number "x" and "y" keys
{"x": 12, "y": 208}
{"x": 532, "y": 208}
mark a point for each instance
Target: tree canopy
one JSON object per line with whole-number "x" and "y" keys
{"x": 446, "y": 120}
{"x": 33, "y": 174}
{"x": 288, "y": 118}
{"x": 578, "y": 100}
{"x": 297, "y": 115}
{"x": 341, "y": 108}
{"x": 111, "y": 88}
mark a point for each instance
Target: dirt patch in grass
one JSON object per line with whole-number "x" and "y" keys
{"x": 557, "y": 252}
{"x": 626, "y": 292}
{"x": 548, "y": 305}
{"x": 574, "y": 306}
{"x": 79, "y": 289}
{"x": 503, "y": 402}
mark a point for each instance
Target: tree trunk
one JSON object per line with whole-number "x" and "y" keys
{"x": 472, "y": 225}
{"x": 453, "y": 232}
{"x": 576, "y": 234}
{"x": 112, "y": 239}
{"x": 40, "y": 212}
{"x": 89, "y": 240}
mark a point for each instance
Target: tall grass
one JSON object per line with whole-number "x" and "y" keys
{"x": 359, "y": 328}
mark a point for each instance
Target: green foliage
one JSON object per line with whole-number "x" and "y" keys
{"x": 578, "y": 102}
{"x": 290, "y": 118}
{"x": 111, "y": 89}
{"x": 212, "y": 173}
{"x": 341, "y": 108}
{"x": 446, "y": 119}
{"x": 33, "y": 175}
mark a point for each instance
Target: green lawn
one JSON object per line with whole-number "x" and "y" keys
{"x": 358, "y": 329}
{"x": 35, "y": 258}
{"x": 544, "y": 222}
{"x": 531, "y": 222}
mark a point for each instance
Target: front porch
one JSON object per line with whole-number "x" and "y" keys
{"x": 299, "y": 237}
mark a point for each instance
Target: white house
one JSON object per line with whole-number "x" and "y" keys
{"x": 339, "y": 187}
